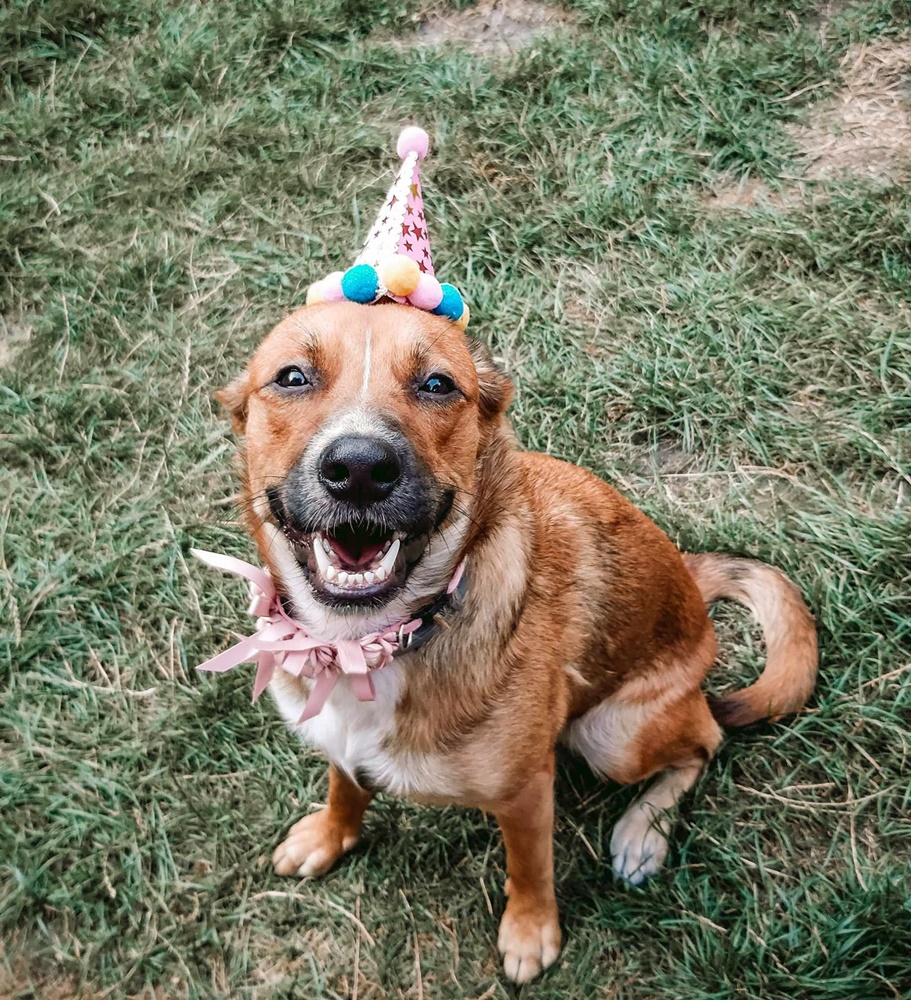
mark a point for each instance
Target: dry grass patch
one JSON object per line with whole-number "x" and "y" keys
{"x": 18, "y": 979}
{"x": 14, "y": 332}
{"x": 866, "y": 128}
{"x": 749, "y": 192}
{"x": 492, "y": 27}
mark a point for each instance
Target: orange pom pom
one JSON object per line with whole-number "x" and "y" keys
{"x": 399, "y": 274}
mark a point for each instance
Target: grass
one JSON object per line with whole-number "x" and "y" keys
{"x": 174, "y": 175}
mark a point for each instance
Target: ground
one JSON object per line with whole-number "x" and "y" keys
{"x": 685, "y": 228}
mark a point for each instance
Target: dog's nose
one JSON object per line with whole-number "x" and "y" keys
{"x": 359, "y": 470}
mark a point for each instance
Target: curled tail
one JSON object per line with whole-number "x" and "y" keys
{"x": 789, "y": 629}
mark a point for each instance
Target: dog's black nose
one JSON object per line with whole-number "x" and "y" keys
{"x": 359, "y": 470}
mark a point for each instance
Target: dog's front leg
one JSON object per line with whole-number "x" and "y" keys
{"x": 317, "y": 841}
{"x": 529, "y": 938}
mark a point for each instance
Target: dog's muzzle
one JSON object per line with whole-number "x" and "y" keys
{"x": 359, "y": 516}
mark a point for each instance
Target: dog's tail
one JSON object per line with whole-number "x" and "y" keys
{"x": 789, "y": 629}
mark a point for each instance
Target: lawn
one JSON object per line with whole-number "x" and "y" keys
{"x": 686, "y": 227}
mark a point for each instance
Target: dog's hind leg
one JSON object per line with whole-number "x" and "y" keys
{"x": 639, "y": 842}
{"x": 629, "y": 742}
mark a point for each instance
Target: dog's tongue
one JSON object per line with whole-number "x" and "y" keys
{"x": 356, "y": 547}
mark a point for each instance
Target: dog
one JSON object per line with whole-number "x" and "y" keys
{"x": 376, "y": 461}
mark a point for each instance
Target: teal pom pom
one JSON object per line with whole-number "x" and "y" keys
{"x": 452, "y": 305}
{"x": 360, "y": 283}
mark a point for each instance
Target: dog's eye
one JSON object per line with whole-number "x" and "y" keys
{"x": 438, "y": 385}
{"x": 291, "y": 378}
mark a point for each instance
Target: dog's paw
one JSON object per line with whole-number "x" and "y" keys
{"x": 529, "y": 939}
{"x": 312, "y": 846}
{"x": 639, "y": 843}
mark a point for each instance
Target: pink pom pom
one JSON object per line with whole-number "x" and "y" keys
{"x": 428, "y": 294}
{"x": 413, "y": 140}
{"x": 331, "y": 287}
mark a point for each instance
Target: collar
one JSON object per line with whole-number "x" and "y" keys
{"x": 431, "y": 615}
{"x": 282, "y": 642}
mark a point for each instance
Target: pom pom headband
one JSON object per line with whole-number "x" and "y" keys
{"x": 395, "y": 263}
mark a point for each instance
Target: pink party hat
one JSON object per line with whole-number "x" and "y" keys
{"x": 395, "y": 263}
{"x": 400, "y": 223}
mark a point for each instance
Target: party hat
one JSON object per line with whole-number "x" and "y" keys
{"x": 395, "y": 263}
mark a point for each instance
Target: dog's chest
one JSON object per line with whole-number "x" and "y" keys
{"x": 358, "y": 737}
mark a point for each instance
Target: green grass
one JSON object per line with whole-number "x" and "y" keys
{"x": 173, "y": 176}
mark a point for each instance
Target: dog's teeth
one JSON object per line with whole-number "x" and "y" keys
{"x": 327, "y": 563}
{"x": 387, "y": 563}
{"x": 322, "y": 560}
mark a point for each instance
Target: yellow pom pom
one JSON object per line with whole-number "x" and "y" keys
{"x": 315, "y": 293}
{"x": 399, "y": 274}
{"x": 462, "y": 321}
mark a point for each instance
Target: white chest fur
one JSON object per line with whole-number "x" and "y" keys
{"x": 353, "y": 734}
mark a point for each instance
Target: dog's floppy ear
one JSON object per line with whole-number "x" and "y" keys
{"x": 494, "y": 384}
{"x": 234, "y": 399}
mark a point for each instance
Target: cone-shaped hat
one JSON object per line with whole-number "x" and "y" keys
{"x": 395, "y": 263}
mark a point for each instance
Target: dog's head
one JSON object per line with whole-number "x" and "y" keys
{"x": 363, "y": 427}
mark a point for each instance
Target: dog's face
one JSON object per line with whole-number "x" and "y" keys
{"x": 363, "y": 426}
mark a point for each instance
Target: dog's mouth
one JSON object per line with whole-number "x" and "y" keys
{"x": 357, "y": 563}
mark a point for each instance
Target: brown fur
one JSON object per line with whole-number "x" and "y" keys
{"x": 790, "y": 673}
{"x": 582, "y": 622}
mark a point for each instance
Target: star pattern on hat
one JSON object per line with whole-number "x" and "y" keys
{"x": 400, "y": 226}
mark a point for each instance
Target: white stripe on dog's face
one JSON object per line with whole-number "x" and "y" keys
{"x": 365, "y": 384}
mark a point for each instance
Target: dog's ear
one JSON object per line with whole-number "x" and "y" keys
{"x": 234, "y": 399}
{"x": 495, "y": 387}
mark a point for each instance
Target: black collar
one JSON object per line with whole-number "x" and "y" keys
{"x": 431, "y": 616}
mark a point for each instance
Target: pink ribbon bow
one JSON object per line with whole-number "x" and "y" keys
{"x": 280, "y": 641}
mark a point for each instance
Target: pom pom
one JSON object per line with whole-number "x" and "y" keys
{"x": 399, "y": 274}
{"x": 331, "y": 289}
{"x": 462, "y": 321}
{"x": 315, "y": 294}
{"x": 413, "y": 140}
{"x": 451, "y": 305}
{"x": 360, "y": 283}
{"x": 429, "y": 293}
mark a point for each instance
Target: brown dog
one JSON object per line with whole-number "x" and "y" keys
{"x": 377, "y": 457}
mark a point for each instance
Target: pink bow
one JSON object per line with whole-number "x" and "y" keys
{"x": 280, "y": 641}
